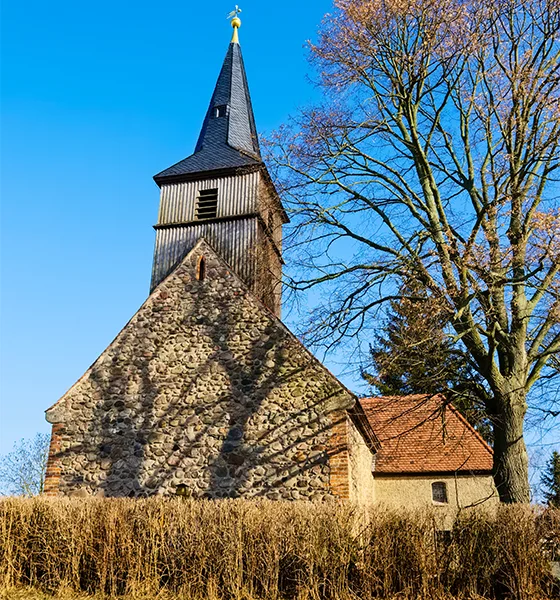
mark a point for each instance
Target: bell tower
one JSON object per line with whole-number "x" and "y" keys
{"x": 223, "y": 192}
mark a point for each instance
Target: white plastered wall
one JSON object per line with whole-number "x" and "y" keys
{"x": 362, "y": 485}
{"x": 414, "y": 492}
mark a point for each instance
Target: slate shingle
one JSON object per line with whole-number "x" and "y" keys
{"x": 228, "y": 141}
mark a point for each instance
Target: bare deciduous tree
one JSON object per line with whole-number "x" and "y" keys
{"x": 435, "y": 153}
{"x": 22, "y": 471}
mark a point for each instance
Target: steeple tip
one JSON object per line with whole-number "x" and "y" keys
{"x": 235, "y": 23}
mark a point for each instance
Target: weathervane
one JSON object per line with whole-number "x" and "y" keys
{"x": 235, "y": 23}
{"x": 234, "y": 13}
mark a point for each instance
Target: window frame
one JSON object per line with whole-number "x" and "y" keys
{"x": 442, "y": 485}
{"x": 201, "y": 269}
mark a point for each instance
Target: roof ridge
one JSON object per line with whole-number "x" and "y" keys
{"x": 455, "y": 410}
{"x": 450, "y": 404}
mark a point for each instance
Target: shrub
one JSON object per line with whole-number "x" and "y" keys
{"x": 264, "y": 550}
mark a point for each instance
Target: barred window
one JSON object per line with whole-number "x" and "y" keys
{"x": 439, "y": 492}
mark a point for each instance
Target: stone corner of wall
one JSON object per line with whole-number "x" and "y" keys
{"x": 339, "y": 456}
{"x": 56, "y": 414}
{"x": 54, "y": 470}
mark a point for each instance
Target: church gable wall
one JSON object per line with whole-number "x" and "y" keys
{"x": 203, "y": 387}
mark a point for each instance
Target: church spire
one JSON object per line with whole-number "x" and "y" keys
{"x": 228, "y": 138}
{"x": 230, "y": 118}
{"x": 223, "y": 191}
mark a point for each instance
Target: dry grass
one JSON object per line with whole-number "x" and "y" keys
{"x": 242, "y": 550}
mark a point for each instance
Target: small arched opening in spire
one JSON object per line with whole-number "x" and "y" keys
{"x": 201, "y": 269}
{"x": 220, "y": 111}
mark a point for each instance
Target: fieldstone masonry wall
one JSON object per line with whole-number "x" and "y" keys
{"x": 203, "y": 387}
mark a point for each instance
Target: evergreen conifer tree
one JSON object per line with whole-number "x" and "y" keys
{"x": 550, "y": 480}
{"x": 414, "y": 354}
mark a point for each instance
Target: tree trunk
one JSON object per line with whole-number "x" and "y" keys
{"x": 511, "y": 464}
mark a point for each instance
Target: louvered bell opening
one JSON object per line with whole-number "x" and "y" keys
{"x": 207, "y": 205}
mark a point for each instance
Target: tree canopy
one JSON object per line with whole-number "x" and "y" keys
{"x": 550, "y": 481}
{"x": 435, "y": 153}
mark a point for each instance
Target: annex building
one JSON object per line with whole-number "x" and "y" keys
{"x": 205, "y": 393}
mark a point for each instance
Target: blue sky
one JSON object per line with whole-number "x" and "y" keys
{"x": 96, "y": 99}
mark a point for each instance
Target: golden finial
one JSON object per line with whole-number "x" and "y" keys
{"x": 235, "y": 23}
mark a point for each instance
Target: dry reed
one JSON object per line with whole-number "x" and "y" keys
{"x": 262, "y": 550}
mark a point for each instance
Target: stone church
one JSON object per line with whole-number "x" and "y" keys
{"x": 206, "y": 394}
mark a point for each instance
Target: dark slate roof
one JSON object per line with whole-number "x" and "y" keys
{"x": 228, "y": 141}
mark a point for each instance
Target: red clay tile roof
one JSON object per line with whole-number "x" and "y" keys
{"x": 421, "y": 434}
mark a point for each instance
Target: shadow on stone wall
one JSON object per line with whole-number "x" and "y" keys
{"x": 221, "y": 400}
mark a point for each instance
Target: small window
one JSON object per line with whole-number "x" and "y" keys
{"x": 439, "y": 492}
{"x": 220, "y": 111}
{"x": 201, "y": 269}
{"x": 182, "y": 491}
{"x": 207, "y": 205}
